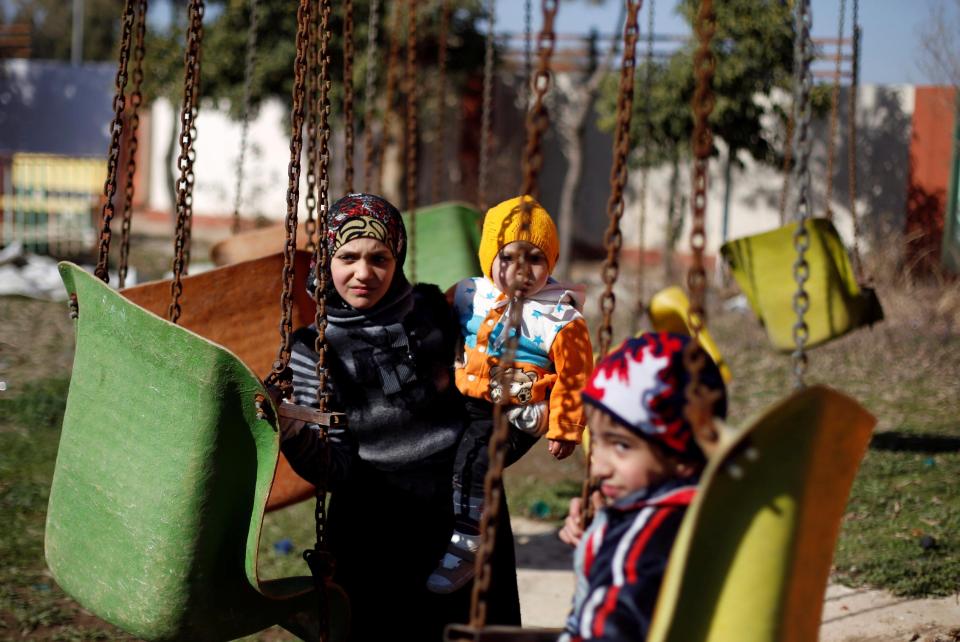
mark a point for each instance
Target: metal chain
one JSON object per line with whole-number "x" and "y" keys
{"x": 699, "y": 397}
{"x": 136, "y": 99}
{"x": 645, "y": 166}
{"x": 411, "y": 135}
{"x": 393, "y": 71}
{"x": 248, "y": 68}
{"x": 312, "y": 110}
{"x": 487, "y": 108}
{"x": 188, "y": 135}
{"x": 834, "y": 113}
{"x": 321, "y": 258}
{"x": 536, "y": 124}
{"x": 527, "y": 53}
{"x": 116, "y": 134}
{"x": 787, "y": 169}
{"x": 439, "y": 143}
{"x": 613, "y": 237}
{"x": 279, "y": 376}
{"x": 373, "y": 26}
{"x": 803, "y": 55}
{"x": 320, "y": 261}
{"x": 348, "y": 125}
{"x": 852, "y": 140}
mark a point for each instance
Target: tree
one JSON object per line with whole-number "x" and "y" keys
{"x": 753, "y": 46}
{"x": 939, "y": 44}
{"x": 51, "y": 24}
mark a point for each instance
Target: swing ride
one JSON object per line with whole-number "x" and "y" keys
{"x": 169, "y": 453}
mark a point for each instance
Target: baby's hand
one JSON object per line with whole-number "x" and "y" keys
{"x": 561, "y": 448}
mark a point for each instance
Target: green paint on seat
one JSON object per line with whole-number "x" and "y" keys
{"x": 763, "y": 268}
{"x": 446, "y": 243}
{"x": 161, "y": 480}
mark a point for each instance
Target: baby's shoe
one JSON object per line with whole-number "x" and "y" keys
{"x": 456, "y": 568}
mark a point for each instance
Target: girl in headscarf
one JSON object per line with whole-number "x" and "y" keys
{"x": 390, "y": 355}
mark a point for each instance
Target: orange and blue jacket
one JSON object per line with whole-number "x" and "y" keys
{"x": 553, "y": 359}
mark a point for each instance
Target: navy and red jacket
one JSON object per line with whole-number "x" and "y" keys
{"x": 620, "y": 563}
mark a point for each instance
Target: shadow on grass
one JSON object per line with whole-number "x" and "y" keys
{"x": 914, "y": 442}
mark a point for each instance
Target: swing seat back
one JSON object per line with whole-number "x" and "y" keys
{"x": 161, "y": 480}
{"x": 763, "y": 268}
{"x": 236, "y": 306}
{"x": 447, "y": 239}
{"x": 669, "y": 311}
{"x": 753, "y": 555}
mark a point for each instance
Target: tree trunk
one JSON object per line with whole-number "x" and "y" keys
{"x": 170, "y": 178}
{"x": 572, "y": 146}
{"x": 674, "y": 219}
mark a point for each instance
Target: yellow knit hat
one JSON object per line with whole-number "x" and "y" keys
{"x": 542, "y": 233}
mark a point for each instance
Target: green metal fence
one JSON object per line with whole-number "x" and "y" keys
{"x": 50, "y": 203}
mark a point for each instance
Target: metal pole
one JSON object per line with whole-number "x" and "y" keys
{"x": 76, "y": 42}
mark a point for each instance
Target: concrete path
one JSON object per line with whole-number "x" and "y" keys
{"x": 849, "y": 615}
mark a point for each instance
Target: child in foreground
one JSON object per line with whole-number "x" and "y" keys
{"x": 541, "y": 388}
{"x": 648, "y": 464}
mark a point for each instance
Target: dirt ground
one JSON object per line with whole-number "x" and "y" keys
{"x": 849, "y": 615}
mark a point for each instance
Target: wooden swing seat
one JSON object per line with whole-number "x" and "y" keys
{"x": 161, "y": 481}
{"x": 753, "y": 555}
{"x": 763, "y": 268}
{"x": 669, "y": 311}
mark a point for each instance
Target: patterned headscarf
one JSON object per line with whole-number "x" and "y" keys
{"x": 642, "y": 386}
{"x": 357, "y": 216}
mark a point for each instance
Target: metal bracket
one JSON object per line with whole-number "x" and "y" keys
{"x": 311, "y": 415}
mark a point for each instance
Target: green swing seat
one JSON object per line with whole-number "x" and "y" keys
{"x": 753, "y": 555}
{"x": 763, "y": 268}
{"x": 161, "y": 481}
{"x": 446, "y": 242}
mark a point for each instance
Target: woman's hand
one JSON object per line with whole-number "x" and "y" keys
{"x": 561, "y": 448}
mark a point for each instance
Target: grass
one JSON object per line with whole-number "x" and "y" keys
{"x": 901, "y": 531}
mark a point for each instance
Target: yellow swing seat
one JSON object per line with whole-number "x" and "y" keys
{"x": 763, "y": 268}
{"x": 161, "y": 481}
{"x": 669, "y": 311}
{"x": 753, "y": 555}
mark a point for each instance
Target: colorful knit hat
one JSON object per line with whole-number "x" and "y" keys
{"x": 500, "y": 228}
{"x": 642, "y": 386}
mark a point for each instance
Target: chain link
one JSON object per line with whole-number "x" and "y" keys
{"x": 527, "y": 53}
{"x": 348, "y": 125}
{"x": 487, "y": 108}
{"x": 834, "y": 114}
{"x": 537, "y": 122}
{"x": 803, "y": 55}
{"x": 116, "y": 135}
{"x": 411, "y": 135}
{"x": 188, "y": 136}
{"x": 136, "y": 99}
{"x": 369, "y": 93}
{"x": 250, "y": 63}
{"x": 852, "y": 140}
{"x": 439, "y": 144}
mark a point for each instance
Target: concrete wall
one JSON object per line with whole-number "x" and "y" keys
{"x": 883, "y": 119}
